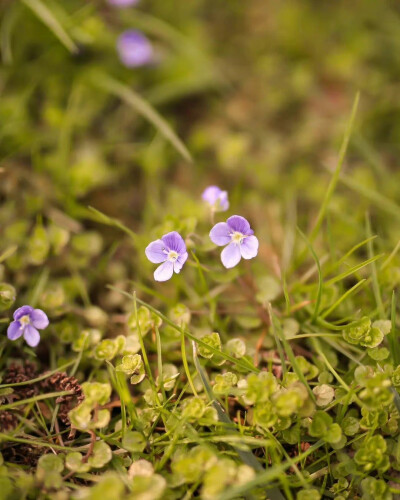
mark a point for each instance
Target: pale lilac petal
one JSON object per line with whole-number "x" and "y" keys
{"x": 239, "y": 224}
{"x": 39, "y": 319}
{"x": 14, "y": 331}
{"x": 223, "y": 201}
{"x": 220, "y": 234}
{"x": 155, "y": 252}
{"x": 217, "y": 198}
{"x": 164, "y": 272}
{"x": 249, "y": 247}
{"x": 178, "y": 264}
{"x": 22, "y": 311}
{"x": 134, "y": 49}
{"x": 211, "y": 194}
{"x": 230, "y": 255}
{"x": 31, "y": 335}
{"x": 174, "y": 241}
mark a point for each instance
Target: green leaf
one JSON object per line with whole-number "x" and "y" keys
{"x": 101, "y": 455}
{"x": 134, "y": 442}
{"x": 73, "y": 462}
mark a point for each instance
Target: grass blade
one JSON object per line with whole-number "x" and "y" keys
{"x": 336, "y": 174}
{"x": 50, "y": 20}
{"x": 134, "y": 100}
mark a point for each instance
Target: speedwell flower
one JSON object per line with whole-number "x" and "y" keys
{"x": 27, "y": 322}
{"x": 237, "y": 234}
{"x": 171, "y": 251}
{"x": 216, "y": 198}
{"x": 134, "y": 49}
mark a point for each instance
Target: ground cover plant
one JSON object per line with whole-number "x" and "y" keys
{"x": 199, "y": 252}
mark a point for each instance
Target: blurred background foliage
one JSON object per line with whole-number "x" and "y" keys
{"x": 259, "y": 91}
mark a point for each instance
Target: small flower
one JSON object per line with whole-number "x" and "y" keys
{"x": 134, "y": 49}
{"x": 122, "y": 3}
{"x": 216, "y": 198}
{"x": 237, "y": 234}
{"x": 27, "y": 322}
{"x": 171, "y": 251}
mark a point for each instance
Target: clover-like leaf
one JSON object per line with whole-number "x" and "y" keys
{"x": 107, "y": 349}
{"x": 131, "y": 364}
{"x": 193, "y": 408}
{"x": 324, "y": 394}
{"x": 145, "y": 319}
{"x": 133, "y": 441}
{"x": 212, "y": 340}
{"x": 356, "y": 331}
{"x": 224, "y": 382}
{"x": 169, "y": 376}
{"x": 81, "y": 415}
{"x": 74, "y": 463}
{"x": 148, "y": 487}
{"x": 372, "y": 339}
{"x": 236, "y": 348}
{"x": 320, "y": 424}
{"x": 8, "y": 295}
{"x": 102, "y": 420}
{"x": 265, "y": 415}
{"x": 51, "y": 462}
{"x": 95, "y": 392}
{"x": 101, "y": 455}
{"x": 384, "y": 325}
{"x": 180, "y": 315}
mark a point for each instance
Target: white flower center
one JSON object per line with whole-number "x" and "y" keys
{"x": 237, "y": 237}
{"x": 25, "y": 320}
{"x": 173, "y": 256}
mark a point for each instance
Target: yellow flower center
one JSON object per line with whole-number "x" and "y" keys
{"x": 237, "y": 237}
{"x": 25, "y": 320}
{"x": 172, "y": 256}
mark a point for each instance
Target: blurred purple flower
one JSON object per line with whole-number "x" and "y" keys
{"x": 237, "y": 234}
{"x": 123, "y": 3}
{"x": 27, "y": 322}
{"x": 171, "y": 251}
{"x": 134, "y": 49}
{"x": 216, "y": 198}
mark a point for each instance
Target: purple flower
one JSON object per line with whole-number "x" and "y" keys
{"x": 27, "y": 322}
{"x": 171, "y": 251}
{"x": 216, "y": 198}
{"x": 122, "y": 3}
{"x": 237, "y": 234}
{"x": 134, "y": 49}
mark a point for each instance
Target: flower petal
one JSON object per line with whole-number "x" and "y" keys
{"x": 134, "y": 49}
{"x": 164, "y": 272}
{"x": 178, "y": 264}
{"x": 22, "y": 311}
{"x": 249, "y": 247}
{"x": 39, "y": 319}
{"x": 174, "y": 241}
{"x": 230, "y": 256}
{"x": 220, "y": 234}
{"x": 14, "y": 331}
{"x": 223, "y": 201}
{"x": 239, "y": 224}
{"x": 31, "y": 335}
{"x": 155, "y": 252}
{"x": 211, "y": 194}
